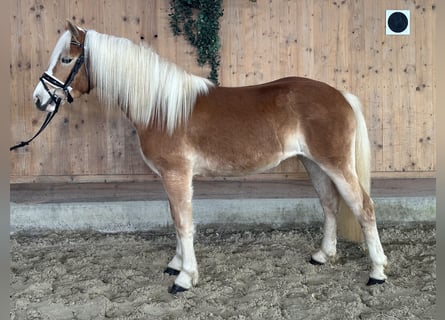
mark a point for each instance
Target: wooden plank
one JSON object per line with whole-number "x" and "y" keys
{"x": 152, "y": 177}
{"x": 103, "y": 192}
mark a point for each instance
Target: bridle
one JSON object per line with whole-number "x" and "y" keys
{"x": 57, "y": 84}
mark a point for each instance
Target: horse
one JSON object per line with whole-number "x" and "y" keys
{"x": 187, "y": 127}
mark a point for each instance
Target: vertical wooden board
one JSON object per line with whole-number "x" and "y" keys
{"x": 248, "y": 51}
{"x": 323, "y": 54}
{"x": 233, "y": 57}
{"x": 372, "y": 96}
{"x": 357, "y": 32}
{"x": 303, "y": 49}
{"x": 406, "y": 109}
{"x": 341, "y": 66}
{"x": 231, "y": 43}
{"x": 425, "y": 152}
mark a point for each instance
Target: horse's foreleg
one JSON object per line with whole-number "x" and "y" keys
{"x": 328, "y": 195}
{"x": 175, "y": 265}
{"x": 179, "y": 191}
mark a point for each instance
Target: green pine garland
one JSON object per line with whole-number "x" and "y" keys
{"x": 199, "y": 21}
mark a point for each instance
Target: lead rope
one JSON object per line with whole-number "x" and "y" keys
{"x": 48, "y": 119}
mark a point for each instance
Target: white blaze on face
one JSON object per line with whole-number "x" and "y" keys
{"x": 40, "y": 96}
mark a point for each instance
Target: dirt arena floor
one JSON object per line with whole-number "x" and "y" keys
{"x": 244, "y": 274}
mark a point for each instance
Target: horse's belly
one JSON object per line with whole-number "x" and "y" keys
{"x": 250, "y": 159}
{"x": 244, "y": 165}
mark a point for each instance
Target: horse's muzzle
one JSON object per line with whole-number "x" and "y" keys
{"x": 49, "y": 105}
{"x": 40, "y": 106}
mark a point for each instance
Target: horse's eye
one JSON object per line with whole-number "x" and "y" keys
{"x": 66, "y": 60}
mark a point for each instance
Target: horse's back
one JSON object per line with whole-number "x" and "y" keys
{"x": 296, "y": 93}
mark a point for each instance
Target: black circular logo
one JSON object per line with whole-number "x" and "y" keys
{"x": 397, "y": 22}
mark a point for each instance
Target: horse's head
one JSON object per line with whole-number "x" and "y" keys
{"x": 67, "y": 75}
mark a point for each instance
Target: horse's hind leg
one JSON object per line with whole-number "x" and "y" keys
{"x": 363, "y": 208}
{"x": 328, "y": 195}
{"x": 178, "y": 186}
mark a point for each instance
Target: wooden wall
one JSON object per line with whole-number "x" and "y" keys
{"x": 341, "y": 42}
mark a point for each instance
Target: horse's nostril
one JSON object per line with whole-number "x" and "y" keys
{"x": 39, "y": 104}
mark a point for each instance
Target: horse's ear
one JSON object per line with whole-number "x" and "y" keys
{"x": 73, "y": 29}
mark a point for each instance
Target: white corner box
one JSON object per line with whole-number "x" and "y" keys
{"x": 398, "y": 22}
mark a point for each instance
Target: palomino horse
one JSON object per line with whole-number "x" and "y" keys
{"x": 189, "y": 127}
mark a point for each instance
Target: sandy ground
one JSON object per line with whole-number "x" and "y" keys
{"x": 261, "y": 274}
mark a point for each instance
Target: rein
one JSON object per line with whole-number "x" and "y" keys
{"x": 48, "y": 119}
{"x": 57, "y": 84}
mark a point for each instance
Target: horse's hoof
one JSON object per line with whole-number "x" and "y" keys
{"x": 176, "y": 289}
{"x": 373, "y": 281}
{"x": 315, "y": 262}
{"x": 171, "y": 271}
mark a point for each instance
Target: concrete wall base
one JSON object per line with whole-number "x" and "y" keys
{"x": 128, "y": 216}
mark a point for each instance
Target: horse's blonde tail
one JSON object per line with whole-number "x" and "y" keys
{"x": 348, "y": 226}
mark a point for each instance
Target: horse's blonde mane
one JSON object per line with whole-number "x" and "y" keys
{"x": 148, "y": 88}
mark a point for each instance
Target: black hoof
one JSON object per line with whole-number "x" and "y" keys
{"x": 171, "y": 271}
{"x": 176, "y": 289}
{"x": 315, "y": 262}
{"x": 373, "y": 281}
